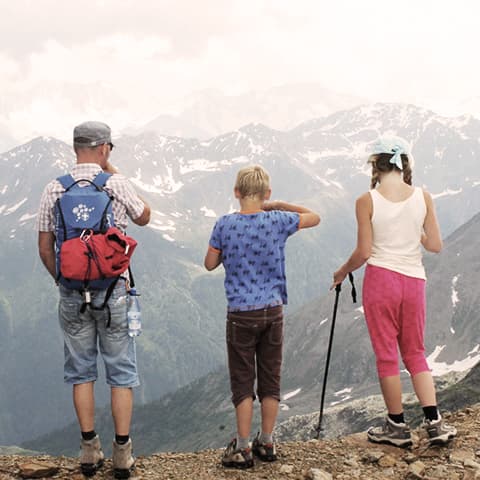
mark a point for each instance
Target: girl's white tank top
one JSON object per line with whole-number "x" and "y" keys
{"x": 397, "y": 231}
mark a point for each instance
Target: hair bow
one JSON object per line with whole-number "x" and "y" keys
{"x": 397, "y": 151}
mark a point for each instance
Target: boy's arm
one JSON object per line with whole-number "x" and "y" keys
{"x": 308, "y": 218}
{"x": 213, "y": 258}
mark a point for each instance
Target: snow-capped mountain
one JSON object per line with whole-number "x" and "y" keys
{"x": 188, "y": 183}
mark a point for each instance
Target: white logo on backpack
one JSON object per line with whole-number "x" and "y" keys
{"x": 82, "y": 212}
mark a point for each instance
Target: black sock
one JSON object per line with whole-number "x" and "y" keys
{"x": 396, "y": 417}
{"x": 431, "y": 412}
{"x": 89, "y": 435}
{"x": 122, "y": 439}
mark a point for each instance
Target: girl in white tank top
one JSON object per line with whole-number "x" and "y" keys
{"x": 394, "y": 221}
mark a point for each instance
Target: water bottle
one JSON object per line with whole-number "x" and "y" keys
{"x": 134, "y": 315}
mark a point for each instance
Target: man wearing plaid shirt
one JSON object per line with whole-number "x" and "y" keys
{"x": 82, "y": 331}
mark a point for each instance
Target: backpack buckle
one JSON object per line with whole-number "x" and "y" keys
{"x": 86, "y": 235}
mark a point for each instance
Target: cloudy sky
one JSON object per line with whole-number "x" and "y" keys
{"x": 127, "y": 61}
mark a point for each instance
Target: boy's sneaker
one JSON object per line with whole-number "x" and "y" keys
{"x": 391, "y": 433}
{"x": 264, "y": 451}
{"x": 439, "y": 432}
{"x": 122, "y": 459}
{"x": 234, "y": 457}
{"x": 91, "y": 456}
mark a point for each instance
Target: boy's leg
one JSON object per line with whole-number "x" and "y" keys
{"x": 244, "y": 413}
{"x": 241, "y": 338}
{"x": 241, "y": 333}
{"x": 269, "y": 414}
{"x": 269, "y": 364}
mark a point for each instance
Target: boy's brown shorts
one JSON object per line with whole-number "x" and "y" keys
{"x": 255, "y": 337}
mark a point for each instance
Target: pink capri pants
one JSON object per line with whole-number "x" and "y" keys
{"x": 394, "y": 306}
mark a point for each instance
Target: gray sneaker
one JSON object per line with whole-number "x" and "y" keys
{"x": 391, "y": 433}
{"x": 91, "y": 456}
{"x": 122, "y": 459}
{"x": 439, "y": 432}
{"x": 234, "y": 457}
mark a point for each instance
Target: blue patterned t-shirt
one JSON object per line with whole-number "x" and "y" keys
{"x": 253, "y": 255}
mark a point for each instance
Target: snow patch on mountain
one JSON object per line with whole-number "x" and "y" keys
{"x": 446, "y": 192}
{"x": 441, "y": 368}
{"x": 199, "y": 165}
{"x": 208, "y": 212}
{"x": 4, "y": 190}
{"x": 26, "y": 217}
{"x": 168, "y": 225}
{"x": 291, "y": 394}
{"x": 161, "y": 184}
{"x": 343, "y": 396}
{"x": 287, "y": 396}
{"x": 15, "y": 207}
{"x": 454, "y": 291}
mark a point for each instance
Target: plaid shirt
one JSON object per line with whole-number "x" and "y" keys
{"x": 125, "y": 203}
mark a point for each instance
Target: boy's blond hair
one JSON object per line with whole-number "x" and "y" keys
{"x": 252, "y": 181}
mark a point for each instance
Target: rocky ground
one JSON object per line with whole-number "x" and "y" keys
{"x": 351, "y": 457}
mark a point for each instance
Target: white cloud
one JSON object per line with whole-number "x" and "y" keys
{"x": 126, "y": 61}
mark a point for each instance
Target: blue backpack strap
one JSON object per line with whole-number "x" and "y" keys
{"x": 66, "y": 181}
{"x": 101, "y": 179}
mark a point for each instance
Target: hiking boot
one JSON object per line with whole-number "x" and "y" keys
{"x": 264, "y": 451}
{"x": 122, "y": 459}
{"x": 91, "y": 456}
{"x": 234, "y": 457}
{"x": 391, "y": 433}
{"x": 439, "y": 432}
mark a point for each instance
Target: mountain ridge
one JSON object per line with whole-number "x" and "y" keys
{"x": 341, "y": 459}
{"x": 189, "y": 183}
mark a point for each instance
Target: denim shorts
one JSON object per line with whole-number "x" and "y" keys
{"x": 86, "y": 333}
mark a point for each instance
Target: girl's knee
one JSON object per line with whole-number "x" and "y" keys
{"x": 387, "y": 368}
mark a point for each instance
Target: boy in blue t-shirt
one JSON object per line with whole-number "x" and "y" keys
{"x": 251, "y": 246}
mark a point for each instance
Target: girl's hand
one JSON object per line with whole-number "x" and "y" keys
{"x": 338, "y": 277}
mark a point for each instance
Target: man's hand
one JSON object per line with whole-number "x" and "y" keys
{"x": 109, "y": 168}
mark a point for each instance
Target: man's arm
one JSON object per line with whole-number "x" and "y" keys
{"x": 308, "y": 218}
{"x": 46, "y": 249}
{"x": 144, "y": 218}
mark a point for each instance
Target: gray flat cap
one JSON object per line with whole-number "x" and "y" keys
{"x": 91, "y": 134}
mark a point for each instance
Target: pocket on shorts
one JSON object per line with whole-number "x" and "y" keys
{"x": 117, "y": 304}
{"x": 241, "y": 335}
{"x": 275, "y": 335}
{"x": 69, "y": 315}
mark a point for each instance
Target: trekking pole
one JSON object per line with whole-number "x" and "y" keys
{"x": 338, "y": 289}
